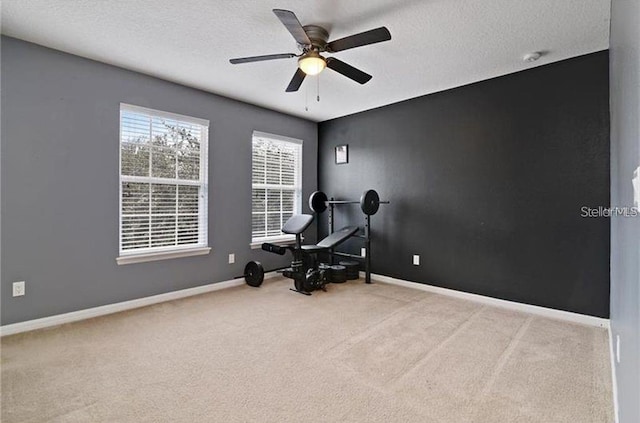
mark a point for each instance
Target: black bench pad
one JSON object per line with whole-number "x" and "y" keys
{"x": 332, "y": 240}
{"x": 297, "y": 224}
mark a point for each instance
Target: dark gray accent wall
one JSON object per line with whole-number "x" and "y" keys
{"x": 486, "y": 184}
{"x": 60, "y": 182}
{"x": 625, "y": 232}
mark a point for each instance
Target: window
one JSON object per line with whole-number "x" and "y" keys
{"x": 276, "y": 185}
{"x": 163, "y": 185}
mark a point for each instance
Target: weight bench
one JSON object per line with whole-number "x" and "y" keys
{"x": 331, "y": 241}
{"x": 307, "y": 278}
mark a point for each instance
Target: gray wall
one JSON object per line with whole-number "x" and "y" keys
{"x": 60, "y": 182}
{"x": 625, "y": 232}
{"x": 486, "y": 183}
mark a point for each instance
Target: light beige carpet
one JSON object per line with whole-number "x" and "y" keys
{"x": 358, "y": 353}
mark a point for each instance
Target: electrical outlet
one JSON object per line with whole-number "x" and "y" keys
{"x": 618, "y": 349}
{"x": 18, "y": 289}
{"x": 363, "y": 252}
{"x": 416, "y": 260}
{"x": 232, "y": 258}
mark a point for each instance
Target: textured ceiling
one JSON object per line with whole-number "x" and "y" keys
{"x": 436, "y": 44}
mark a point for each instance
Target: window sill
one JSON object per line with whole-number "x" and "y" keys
{"x": 278, "y": 241}
{"x": 165, "y": 255}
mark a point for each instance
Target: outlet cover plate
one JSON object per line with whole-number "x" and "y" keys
{"x": 18, "y": 289}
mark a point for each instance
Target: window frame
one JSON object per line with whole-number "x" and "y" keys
{"x": 138, "y": 255}
{"x": 280, "y": 239}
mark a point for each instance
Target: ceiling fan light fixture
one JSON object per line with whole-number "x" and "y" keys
{"x": 313, "y": 40}
{"x": 312, "y": 63}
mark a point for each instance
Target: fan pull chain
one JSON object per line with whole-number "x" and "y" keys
{"x": 306, "y": 98}
{"x": 318, "y": 88}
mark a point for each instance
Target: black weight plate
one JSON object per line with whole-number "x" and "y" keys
{"x": 350, "y": 265}
{"x": 338, "y": 274}
{"x": 370, "y": 202}
{"x": 318, "y": 202}
{"x": 353, "y": 269}
{"x": 254, "y": 273}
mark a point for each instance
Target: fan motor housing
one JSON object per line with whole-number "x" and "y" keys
{"x": 318, "y": 36}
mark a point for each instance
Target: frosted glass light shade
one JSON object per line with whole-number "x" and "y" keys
{"x": 311, "y": 63}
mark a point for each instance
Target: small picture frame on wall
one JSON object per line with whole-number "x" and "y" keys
{"x": 342, "y": 154}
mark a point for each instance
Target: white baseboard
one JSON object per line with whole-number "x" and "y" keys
{"x": 89, "y": 313}
{"x": 512, "y": 305}
{"x": 614, "y": 379}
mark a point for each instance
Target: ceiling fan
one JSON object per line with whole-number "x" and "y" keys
{"x": 312, "y": 40}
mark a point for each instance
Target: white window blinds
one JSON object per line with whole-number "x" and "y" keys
{"x": 276, "y": 184}
{"x": 163, "y": 181}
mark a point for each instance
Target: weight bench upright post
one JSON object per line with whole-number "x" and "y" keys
{"x": 367, "y": 249}
{"x": 331, "y": 251}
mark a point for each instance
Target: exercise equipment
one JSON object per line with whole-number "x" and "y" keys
{"x": 318, "y": 202}
{"x": 254, "y": 274}
{"x": 353, "y": 269}
{"x": 338, "y": 274}
{"x": 369, "y": 202}
{"x": 307, "y": 275}
{"x": 305, "y": 271}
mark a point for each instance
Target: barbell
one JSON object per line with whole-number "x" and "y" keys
{"x": 369, "y": 202}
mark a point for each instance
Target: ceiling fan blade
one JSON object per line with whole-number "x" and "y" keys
{"x": 296, "y": 81}
{"x": 348, "y": 70}
{"x": 261, "y": 58}
{"x": 291, "y": 22}
{"x": 362, "y": 39}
